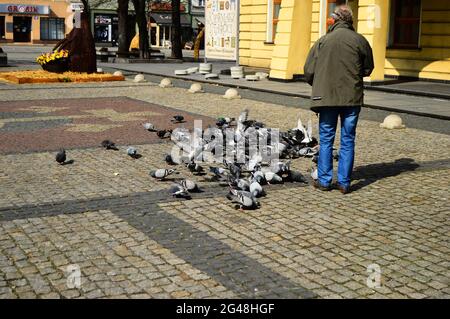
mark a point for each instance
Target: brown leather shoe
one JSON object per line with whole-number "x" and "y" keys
{"x": 320, "y": 187}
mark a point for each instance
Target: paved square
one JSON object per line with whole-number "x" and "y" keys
{"x": 104, "y": 216}
{"x": 38, "y": 125}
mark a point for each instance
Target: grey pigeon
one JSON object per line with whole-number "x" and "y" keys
{"x": 258, "y": 176}
{"x": 243, "y": 184}
{"x": 178, "y": 119}
{"x": 164, "y": 133}
{"x": 335, "y": 154}
{"x": 256, "y": 189}
{"x": 296, "y": 177}
{"x": 271, "y": 177}
{"x": 246, "y": 200}
{"x": 132, "y": 152}
{"x": 109, "y": 145}
{"x": 161, "y": 173}
{"x": 191, "y": 186}
{"x": 194, "y": 168}
{"x": 218, "y": 171}
{"x": 169, "y": 160}
{"x": 61, "y": 156}
{"x": 149, "y": 127}
{"x": 178, "y": 190}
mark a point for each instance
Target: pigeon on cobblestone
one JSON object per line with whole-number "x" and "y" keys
{"x": 244, "y": 199}
{"x": 296, "y": 177}
{"x": 132, "y": 152}
{"x": 178, "y": 119}
{"x": 169, "y": 160}
{"x": 178, "y": 190}
{"x": 61, "y": 156}
{"x": 109, "y": 145}
{"x": 164, "y": 133}
{"x": 149, "y": 127}
{"x": 191, "y": 186}
{"x": 218, "y": 172}
{"x": 161, "y": 173}
{"x": 195, "y": 168}
{"x": 256, "y": 189}
{"x": 314, "y": 173}
{"x": 273, "y": 178}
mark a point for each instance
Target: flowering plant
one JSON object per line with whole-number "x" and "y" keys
{"x": 55, "y": 55}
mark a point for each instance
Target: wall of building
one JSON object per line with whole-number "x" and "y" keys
{"x": 58, "y": 8}
{"x": 253, "y": 50}
{"x": 432, "y": 60}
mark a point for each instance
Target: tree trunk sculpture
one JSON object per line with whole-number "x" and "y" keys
{"x": 81, "y": 46}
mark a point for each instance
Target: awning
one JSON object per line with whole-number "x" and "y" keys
{"x": 200, "y": 19}
{"x": 166, "y": 19}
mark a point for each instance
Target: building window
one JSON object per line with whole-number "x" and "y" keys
{"x": 273, "y": 12}
{"x": 52, "y": 28}
{"x": 405, "y": 23}
{"x": 276, "y": 14}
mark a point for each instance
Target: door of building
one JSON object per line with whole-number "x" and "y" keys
{"x": 22, "y": 29}
{"x": 2, "y": 27}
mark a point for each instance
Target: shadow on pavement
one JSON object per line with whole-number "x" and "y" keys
{"x": 371, "y": 173}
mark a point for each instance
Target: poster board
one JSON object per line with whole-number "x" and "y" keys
{"x": 221, "y": 29}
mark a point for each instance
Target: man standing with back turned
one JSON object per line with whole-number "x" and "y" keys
{"x": 335, "y": 68}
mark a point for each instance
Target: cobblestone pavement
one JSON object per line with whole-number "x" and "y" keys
{"x": 104, "y": 216}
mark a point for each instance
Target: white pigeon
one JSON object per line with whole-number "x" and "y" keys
{"x": 149, "y": 126}
{"x": 314, "y": 174}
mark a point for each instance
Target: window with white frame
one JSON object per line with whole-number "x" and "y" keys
{"x": 273, "y": 12}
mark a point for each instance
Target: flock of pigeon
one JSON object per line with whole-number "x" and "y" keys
{"x": 246, "y": 176}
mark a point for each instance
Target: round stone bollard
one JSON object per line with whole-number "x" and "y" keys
{"x": 118, "y": 73}
{"x": 139, "y": 78}
{"x": 195, "y": 88}
{"x": 231, "y": 94}
{"x": 392, "y": 121}
{"x": 165, "y": 83}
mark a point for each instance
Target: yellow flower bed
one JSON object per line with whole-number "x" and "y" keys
{"x": 41, "y": 76}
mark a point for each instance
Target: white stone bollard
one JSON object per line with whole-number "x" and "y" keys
{"x": 139, "y": 78}
{"x": 195, "y": 88}
{"x": 165, "y": 83}
{"x": 118, "y": 73}
{"x": 231, "y": 94}
{"x": 392, "y": 121}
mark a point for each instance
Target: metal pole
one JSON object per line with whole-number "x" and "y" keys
{"x": 238, "y": 10}
{"x": 205, "y": 60}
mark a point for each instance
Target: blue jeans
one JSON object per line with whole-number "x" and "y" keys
{"x": 328, "y": 118}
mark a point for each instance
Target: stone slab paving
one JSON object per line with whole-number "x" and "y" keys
{"x": 104, "y": 216}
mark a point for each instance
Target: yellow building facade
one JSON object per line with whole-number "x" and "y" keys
{"x": 36, "y": 21}
{"x": 409, "y": 38}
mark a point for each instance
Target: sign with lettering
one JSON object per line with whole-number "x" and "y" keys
{"x": 221, "y": 29}
{"x": 24, "y": 9}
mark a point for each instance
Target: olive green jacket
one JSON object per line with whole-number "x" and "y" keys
{"x": 336, "y": 65}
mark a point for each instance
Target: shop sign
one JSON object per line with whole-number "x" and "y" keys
{"x": 221, "y": 29}
{"x": 24, "y": 9}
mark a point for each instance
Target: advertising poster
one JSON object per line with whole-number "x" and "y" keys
{"x": 221, "y": 29}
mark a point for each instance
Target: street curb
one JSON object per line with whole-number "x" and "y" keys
{"x": 408, "y": 92}
{"x": 305, "y": 96}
